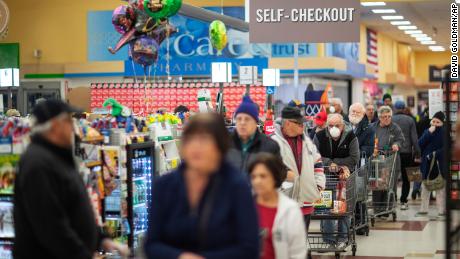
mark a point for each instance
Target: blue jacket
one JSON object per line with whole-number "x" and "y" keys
{"x": 429, "y": 143}
{"x": 225, "y": 225}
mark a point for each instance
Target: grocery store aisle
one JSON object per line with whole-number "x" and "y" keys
{"x": 408, "y": 237}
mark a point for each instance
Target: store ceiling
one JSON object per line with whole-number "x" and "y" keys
{"x": 430, "y": 16}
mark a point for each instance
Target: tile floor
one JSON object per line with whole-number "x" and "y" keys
{"x": 409, "y": 237}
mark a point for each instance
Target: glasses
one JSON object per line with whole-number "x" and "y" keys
{"x": 297, "y": 122}
{"x": 385, "y": 117}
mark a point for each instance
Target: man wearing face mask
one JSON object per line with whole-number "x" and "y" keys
{"x": 390, "y": 138}
{"x": 339, "y": 148}
{"x": 305, "y": 177}
{"x": 362, "y": 129}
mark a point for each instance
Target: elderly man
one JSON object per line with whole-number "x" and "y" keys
{"x": 53, "y": 215}
{"x": 339, "y": 148}
{"x": 390, "y": 138}
{"x": 362, "y": 129}
{"x": 371, "y": 114}
{"x": 338, "y": 107}
{"x": 247, "y": 139}
{"x": 410, "y": 150}
{"x": 303, "y": 160}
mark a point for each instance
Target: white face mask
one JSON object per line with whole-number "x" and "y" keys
{"x": 335, "y": 132}
{"x": 331, "y": 109}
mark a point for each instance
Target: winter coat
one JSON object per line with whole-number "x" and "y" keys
{"x": 53, "y": 215}
{"x": 366, "y": 135}
{"x": 347, "y": 154}
{"x": 289, "y": 235}
{"x": 306, "y": 182}
{"x": 388, "y": 136}
{"x": 429, "y": 143}
{"x": 409, "y": 130}
{"x": 223, "y": 226}
{"x": 260, "y": 143}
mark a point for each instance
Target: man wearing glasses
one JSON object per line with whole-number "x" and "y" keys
{"x": 305, "y": 177}
{"x": 389, "y": 137}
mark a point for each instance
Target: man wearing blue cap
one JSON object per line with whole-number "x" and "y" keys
{"x": 247, "y": 139}
{"x": 409, "y": 149}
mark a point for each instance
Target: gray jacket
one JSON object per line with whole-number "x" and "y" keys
{"x": 409, "y": 130}
{"x": 388, "y": 136}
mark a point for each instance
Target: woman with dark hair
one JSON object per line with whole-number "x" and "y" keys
{"x": 280, "y": 218}
{"x": 204, "y": 209}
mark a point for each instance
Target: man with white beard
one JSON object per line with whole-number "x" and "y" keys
{"x": 362, "y": 129}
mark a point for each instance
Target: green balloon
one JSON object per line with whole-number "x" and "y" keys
{"x": 170, "y": 8}
{"x": 218, "y": 35}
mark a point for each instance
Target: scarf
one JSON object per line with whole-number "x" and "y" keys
{"x": 296, "y": 146}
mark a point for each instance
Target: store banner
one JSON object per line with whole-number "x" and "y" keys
{"x": 190, "y": 47}
{"x": 274, "y": 21}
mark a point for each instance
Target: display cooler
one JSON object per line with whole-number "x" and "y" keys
{"x": 141, "y": 172}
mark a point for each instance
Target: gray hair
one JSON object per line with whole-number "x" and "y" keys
{"x": 385, "y": 109}
{"x": 336, "y": 101}
{"x": 335, "y": 115}
{"x": 357, "y": 105}
{"x": 37, "y": 128}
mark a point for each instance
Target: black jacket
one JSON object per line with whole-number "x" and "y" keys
{"x": 366, "y": 135}
{"x": 52, "y": 213}
{"x": 261, "y": 143}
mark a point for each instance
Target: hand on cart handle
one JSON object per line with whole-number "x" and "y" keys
{"x": 187, "y": 255}
{"x": 395, "y": 148}
{"x": 345, "y": 173}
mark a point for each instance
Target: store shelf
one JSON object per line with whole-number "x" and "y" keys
{"x": 90, "y": 164}
{"x": 140, "y": 205}
{"x": 139, "y": 178}
{"x": 93, "y": 140}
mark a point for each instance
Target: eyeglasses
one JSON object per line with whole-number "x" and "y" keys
{"x": 385, "y": 117}
{"x": 297, "y": 122}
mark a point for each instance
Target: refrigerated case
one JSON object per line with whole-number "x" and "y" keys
{"x": 141, "y": 173}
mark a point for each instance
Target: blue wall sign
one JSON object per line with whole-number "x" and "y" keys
{"x": 190, "y": 51}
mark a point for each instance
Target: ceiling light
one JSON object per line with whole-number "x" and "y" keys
{"x": 373, "y": 4}
{"x": 407, "y": 27}
{"x": 384, "y": 11}
{"x": 423, "y": 39}
{"x": 414, "y": 32}
{"x": 428, "y": 42}
{"x": 437, "y": 48}
{"x": 400, "y": 23}
{"x": 393, "y": 17}
{"x": 418, "y": 35}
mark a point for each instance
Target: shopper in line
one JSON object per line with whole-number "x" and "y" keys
{"x": 280, "y": 218}
{"x": 387, "y": 100}
{"x": 371, "y": 114}
{"x": 320, "y": 122}
{"x": 300, "y": 155}
{"x": 205, "y": 208}
{"x": 432, "y": 144}
{"x": 362, "y": 129}
{"x": 389, "y": 138}
{"x": 338, "y": 107}
{"x": 247, "y": 139}
{"x": 339, "y": 149}
{"x": 423, "y": 123}
{"x": 53, "y": 215}
{"x": 410, "y": 151}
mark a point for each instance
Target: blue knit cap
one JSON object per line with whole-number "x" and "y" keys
{"x": 248, "y": 107}
{"x": 400, "y": 105}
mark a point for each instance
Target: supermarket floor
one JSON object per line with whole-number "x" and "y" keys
{"x": 409, "y": 237}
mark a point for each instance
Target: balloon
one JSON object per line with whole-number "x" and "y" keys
{"x": 165, "y": 9}
{"x": 162, "y": 32}
{"x": 218, "y": 35}
{"x": 144, "y": 50}
{"x": 122, "y": 19}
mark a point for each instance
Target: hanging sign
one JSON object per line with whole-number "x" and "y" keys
{"x": 248, "y": 75}
{"x": 304, "y": 21}
{"x": 435, "y": 100}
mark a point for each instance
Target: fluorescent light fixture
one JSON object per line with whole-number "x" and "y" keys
{"x": 393, "y": 17}
{"x": 423, "y": 39}
{"x": 400, "y": 23}
{"x": 418, "y": 35}
{"x": 373, "y": 4}
{"x": 384, "y": 11}
{"x": 437, "y": 48}
{"x": 428, "y": 42}
{"x": 414, "y": 32}
{"x": 407, "y": 27}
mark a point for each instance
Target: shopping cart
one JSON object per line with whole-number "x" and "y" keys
{"x": 382, "y": 185}
{"x": 361, "y": 214}
{"x": 340, "y": 207}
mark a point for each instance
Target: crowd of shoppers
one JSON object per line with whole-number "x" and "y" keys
{"x": 236, "y": 195}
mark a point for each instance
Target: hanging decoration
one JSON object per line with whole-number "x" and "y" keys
{"x": 144, "y": 25}
{"x": 4, "y": 19}
{"x": 218, "y": 35}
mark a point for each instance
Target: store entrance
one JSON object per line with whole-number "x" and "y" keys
{"x": 8, "y": 99}
{"x": 33, "y": 91}
{"x": 31, "y": 97}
